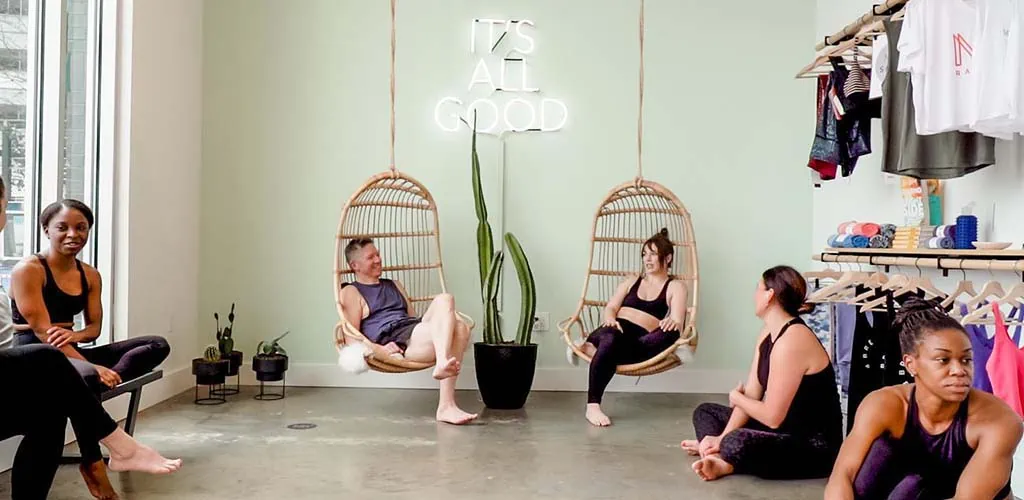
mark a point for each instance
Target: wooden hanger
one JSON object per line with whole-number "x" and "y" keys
{"x": 964, "y": 286}
{"x": 896, "y": 282}
{"x": 874, "y": 282}
{"x": 989, "y": 289}
{"x": 983, "y": 315}
{"x": 841, "y": 286}
{"x": 827, "y": 273}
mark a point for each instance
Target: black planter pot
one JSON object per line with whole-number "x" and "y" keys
{"x": 504, "y": 373}
{"x": 234, "y": 361}
{"x": 269, "y": 368}
{"x": 209, "y": 372}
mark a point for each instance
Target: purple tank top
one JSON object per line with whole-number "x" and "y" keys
{"x": 982, "y": 345}
{"x": 386, "y": 304}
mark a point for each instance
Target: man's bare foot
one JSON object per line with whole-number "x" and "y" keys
{"x": 712, "y": 467}
{"x": 446, "y": 368}
{"x": 691, "y": 446}
{"x": 95, "y": 475}
{"x": 454, "y": 415}
{"x": 127, "y": 454}
{"x": 588, "y": 349}
{"x": 597, "y": 417}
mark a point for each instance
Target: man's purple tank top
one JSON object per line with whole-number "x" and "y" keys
{"x": 982, "y": 346}
{"x": 386, "y": 304}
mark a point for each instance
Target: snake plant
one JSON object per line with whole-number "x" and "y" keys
{"x": 490, "y": 268}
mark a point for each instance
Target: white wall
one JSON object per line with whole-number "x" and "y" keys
{"x": 866, "y": 196}
{"x": 157, "y": 170}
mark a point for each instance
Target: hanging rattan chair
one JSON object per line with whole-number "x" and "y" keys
{"x": 400, "y": 215}
{"x": 628, "y": 216}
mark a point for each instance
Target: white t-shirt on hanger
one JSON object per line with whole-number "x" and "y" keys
{"x": 879, "y": 64}
{"x": 936, "y": 47}
{"x": 993, "y": 70}
{"x": 1014, "y": 68}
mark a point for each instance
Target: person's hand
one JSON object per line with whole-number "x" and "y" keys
{"x": 60, "y": 337}
{"x": 669, "y": 325}
{"x": 612, "y": 322}
{"x": 735, "y": 395}
{"x": 392, "y": 348}
{"x": 709, "y": 445}
{"x": 109, "y": 377}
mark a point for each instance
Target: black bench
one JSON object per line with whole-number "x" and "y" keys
{"x": 134, "y": 386}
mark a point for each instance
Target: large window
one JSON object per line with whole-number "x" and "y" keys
{"x": 52, "y": 108}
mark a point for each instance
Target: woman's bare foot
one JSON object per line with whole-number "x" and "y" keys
{"x": 454, "y": 415}
{"x": 95, "y": 475}
{"x": 597, "y": 417}
{"x": 712, "y": 467}
{"x": 127, "y": 454}
{"x": 588, "y": 349}
{"x": 447, "y": 368}
{"x": 691, "y": 446}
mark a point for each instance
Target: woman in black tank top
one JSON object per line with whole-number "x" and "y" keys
{"x": 936, "y": 438}
{"x": 49, "y": 289}
{"x": 786, "y": 421}
{"x": 633, "y": 328}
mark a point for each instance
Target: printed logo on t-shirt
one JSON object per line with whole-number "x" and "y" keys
{"x": 961, "y": 48}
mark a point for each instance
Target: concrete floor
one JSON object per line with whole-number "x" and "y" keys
{"x": 370, "y": 444}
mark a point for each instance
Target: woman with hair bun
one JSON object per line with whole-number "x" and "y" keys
{"x": 786, "y": 421}
{"x": 641, "y": 319}
{"x": 936, "y": 437}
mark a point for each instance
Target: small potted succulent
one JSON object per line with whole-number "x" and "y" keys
{"x": 210, "y": 369}
{"x": 270, "y": 361}
{"x": 226, "y": 343}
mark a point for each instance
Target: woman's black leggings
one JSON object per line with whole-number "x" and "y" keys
{"x": 757, "y": 450}
{"x": 632, "y": 345}
{"x": 45, "y": 391}
{"x": 130, "y": 358}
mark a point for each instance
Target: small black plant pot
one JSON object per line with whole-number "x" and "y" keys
{"x": 234, "y": 361}
{"x": 269, "y": 368}
{"x": 504, "y": 373}
{"x": 209, "y": 372}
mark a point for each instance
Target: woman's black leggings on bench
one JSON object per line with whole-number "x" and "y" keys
{"x": 45, "y": 391}
{"x": 131, "y": 358}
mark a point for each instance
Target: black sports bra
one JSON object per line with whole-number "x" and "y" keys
{"x": 61, "y": 306}
{"x": 657, "y": 307}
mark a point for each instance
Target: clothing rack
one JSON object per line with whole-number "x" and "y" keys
{"x": 853, "y": 38}
{"x": 877, "y": 13}
{"x": 942, "y": 259}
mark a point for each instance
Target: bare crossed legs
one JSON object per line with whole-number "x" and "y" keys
{"x": 442, "y": 337}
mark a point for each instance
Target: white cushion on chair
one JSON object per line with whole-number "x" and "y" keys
{"x": 571, "y": 356}
{"x": 352, "y": 357}
{"x": 685, "y": 353}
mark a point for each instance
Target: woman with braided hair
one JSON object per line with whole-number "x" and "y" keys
{"x": 936, "y": 437}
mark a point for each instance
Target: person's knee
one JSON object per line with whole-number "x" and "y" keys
{"x": 161, "y": 348}
{"x": 462, "y": 331}
{"x": 602, "y": 336}
{"x": 446, "y": 301}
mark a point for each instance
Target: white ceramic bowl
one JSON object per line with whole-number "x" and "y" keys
{"x": 991, "y": 245}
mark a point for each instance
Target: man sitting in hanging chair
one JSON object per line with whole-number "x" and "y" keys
{"x": 381, "y": 310}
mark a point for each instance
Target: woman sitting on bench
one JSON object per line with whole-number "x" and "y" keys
{"x": 47, "y": 291}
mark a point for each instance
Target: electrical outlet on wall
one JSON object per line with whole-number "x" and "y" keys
{"x": 540, "y": 322}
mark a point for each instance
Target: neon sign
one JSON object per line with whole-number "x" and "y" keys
{"x": 510, "y": 103}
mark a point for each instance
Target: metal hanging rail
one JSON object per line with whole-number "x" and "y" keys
{"x": 877, "y": 12}
{"x": 942, "y": 259}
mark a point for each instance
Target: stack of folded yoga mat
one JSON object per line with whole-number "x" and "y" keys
{"x": 942, "y": 237}
{"x": 854, "y": 234}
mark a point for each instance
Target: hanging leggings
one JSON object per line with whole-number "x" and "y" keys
{"x": 46, "y": 391}
{"x": 130, "y": 358}
{"x": 632, "y": 345}
{"x": 760, "y": 451}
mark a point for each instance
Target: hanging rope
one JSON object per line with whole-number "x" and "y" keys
{"x": 640, "y": 109}
{"x": 392, "y": 164}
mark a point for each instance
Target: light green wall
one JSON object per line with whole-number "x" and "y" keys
{"x": 296, "y": 118}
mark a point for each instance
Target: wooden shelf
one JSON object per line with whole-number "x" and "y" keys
{"x": 931, "y": 252}
{"x": 934, "y": 258}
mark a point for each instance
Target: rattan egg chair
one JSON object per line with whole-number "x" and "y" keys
{"x": 400, "y": 215}
{"x": 630, "y": 214}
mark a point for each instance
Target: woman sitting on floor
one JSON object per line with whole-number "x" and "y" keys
{"x": 786, "y": 422}
{"x": 635, "y": 328}
{"x": 47, "y": 291}
{"x": 935, "y": 438}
